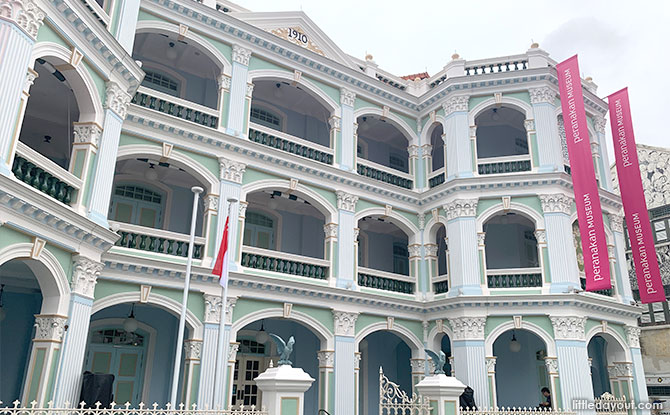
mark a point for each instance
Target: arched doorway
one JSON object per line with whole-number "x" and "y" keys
{"x": 611, "y": 370}
{"x": 520, "y": 369}
{"x": 257, "y": 349}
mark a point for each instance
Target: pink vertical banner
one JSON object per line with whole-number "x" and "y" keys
{"x": 632, "y": 195}
{"x": 587, "y": 198}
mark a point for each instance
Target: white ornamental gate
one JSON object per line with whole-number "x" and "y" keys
{"x": 394, "y": 401}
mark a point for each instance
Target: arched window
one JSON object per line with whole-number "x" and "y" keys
{"x": 259, "y": 230}
{"x": 500, "y": 133}
{"x": 510, "y": 242}
{"x": 437, "y": 142}
{"x": 137, "y": 205}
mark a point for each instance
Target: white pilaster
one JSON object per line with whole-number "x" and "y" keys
{"x": 457, "y": 133}
{"x": 208, "y": 356}
{"x": 116, "y": 104}
{"x": 573, "y": 359}
{"x": 238, "y": 108}
{"x": 346, "y": 204}
{"x": 221, "y": 398}
{"x": 463, "y": 252}
{"x": 470, "y": 356}
{"x": 606, "y": 178}
{"x": 127, "y": 23}
{"x": 562, "y": 255}
{"x": 18, "y": 29}
{"x": 621, "y": 270}
{"x": 546, "y": 129}
{"x": 347, "y": 146}
{"x": 345, "y": 362}
{"x": 231, "y": 173}
{"x": 639, "y": 382}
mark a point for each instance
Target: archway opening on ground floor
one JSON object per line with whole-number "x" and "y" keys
{"x": 20, "y": 300}
{"x": 257, "y": 349}
{"x": 389, "y": 351}
{"x": 136, "y": 343}
{"x": 520, "y": 369}
{"x": 610, "y": 370}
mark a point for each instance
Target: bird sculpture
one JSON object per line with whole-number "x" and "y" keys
{"x": 439, "y": 359}
{"x": 284, "y": 349}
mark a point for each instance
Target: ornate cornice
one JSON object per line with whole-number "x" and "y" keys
{"x": 544, "y": 95}
{"x": 212, "y": 308}
{"x": 241, "y": 55}
{"x": 326, "y": 358}
{"x": 24, "y": 13}
{"x": 347, "y": 97}
{"x": 468, "y": 328}
{"x": 456, "y": 104}
{"x": 345, "y": 323}
{"x": 85, "y": 276}
{"x": 555, "y": 203}
{"x": 231, "y": 170}
{"x": 117, "y": 99}
{"x": 49, "y": 328}
{"x": 85, "y": 133}
{"x": 346, "y": 201}
{"x": 568, "y": 328}
{"x": 633, "y": 334}
{"x": 461, "y": 208}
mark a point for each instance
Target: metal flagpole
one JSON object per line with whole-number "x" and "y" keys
{"x": 187, "y": 282}
{"x": 221, "y": 362}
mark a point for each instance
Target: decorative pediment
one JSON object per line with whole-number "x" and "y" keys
{"x": 297, "y": 28}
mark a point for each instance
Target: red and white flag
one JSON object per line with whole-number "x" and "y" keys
{"x": 221, "y": 264}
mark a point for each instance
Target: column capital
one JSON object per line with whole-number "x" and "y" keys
{"x": 250, "y": 90}
{"x": 541, "y": 236}
{"x": 25, "y": 14}
{"x": 49, "y": 328}
{"x": 418, "y": 365}
{"x": 633, "y": 334}
{"x": 414, "y": 251}
{"x": 31, "y": 75}
{"x": 335, "y": 122}
{"x": 211, "y": 202}
{"x": 468, "y": 328}
{"x": 223, "y": 81}
{"x": 623, "y": 370}
{"x": 555, "y": 203}
{"x": 330, "y": 229}
{"x": 426, "y": 149}
{"x": 551, "y": 363}
{"x": 326, "y": 358}
{"x": 87, "y": 133}
{"x": 347, "y": 97}
{"x": 461, "y": 208}
{"x": 243, "y": 209}
{"x": 231, "y": 170}
{"x": 212, "y": 308}
{"x": 529, "y": 125}
{"x": 230, "y": 304}
{"x": 345, "y": 323}
{"x": 116, "y": 99}
{"x": 568, "y": 327}
{"x": 192, "y": 349}
{"x": 85, "y": 276}
{"x": 616, "y": 222}
{"x": 543, "y": 95}
{"x": 456, "y": 104}
{"x": 431, "y": 250}
{"x": 241, "y": 55}
{"x": 481, "y": 239}
{"x": 600, "y": 124}
{"x": 491, "y": 364}
{"x": 413, "y": 151}
{"x": 232, "y": 351}
{"x": 346, "y": 201}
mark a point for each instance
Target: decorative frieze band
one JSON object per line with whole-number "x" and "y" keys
{"x": 468, "y": 328}
{"x": 568, "y": 328}
{"x": 116, "y": 99}
{"x": 461, "y": 208}
{"x": 456, "y": 104}
{"x": 24, "y": 13}
{"x": 241, "y": 55}
{"x": 49, "y": 328}
{"x": 85, "y": 276}
{"x": 347, "y": 97}
{"x": 555, "y": 203}
{"x": 542, "y": 95}
{"x": 346, "y": 201}
{"x": 345, "y": 323}
{"x": 231, "y": 170}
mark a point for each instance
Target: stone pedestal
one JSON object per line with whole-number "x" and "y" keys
{"x": 284, "y": 389}
{"x": 443, "y": 392}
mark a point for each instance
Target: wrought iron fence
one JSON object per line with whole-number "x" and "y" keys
{"x": 515, "y": 411}
{"x": 126, "y": 409}
{"x": 394, "y": 401}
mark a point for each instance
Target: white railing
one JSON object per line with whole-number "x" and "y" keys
{"x": 495, "y": 65}
{"x": 126, "y": 409}
{"x": 385, "y": 274}
{"x": 289, "y": 137}
{"x": 515, "y": 411}
{"x": 386, "y": 169}
{"x": 178, "y": 101}
{"x": 608, "y": 404}
{"x": 47, "y": 165}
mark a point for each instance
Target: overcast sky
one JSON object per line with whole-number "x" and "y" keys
{"x": 620, "y": 43}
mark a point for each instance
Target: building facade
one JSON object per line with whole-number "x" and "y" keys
{"x": 374, "y": 216}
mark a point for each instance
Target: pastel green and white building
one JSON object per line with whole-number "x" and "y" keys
{"x": 377, "y": 215}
